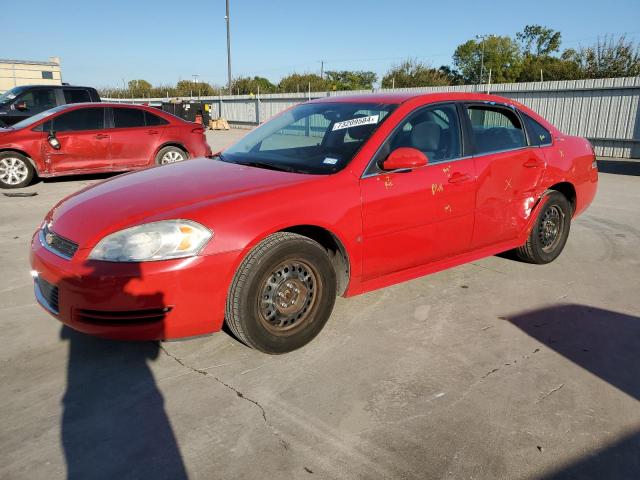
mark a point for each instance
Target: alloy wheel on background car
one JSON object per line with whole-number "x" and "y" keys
{"x": 172, "y": 156}
{"x": 13, "y": 171}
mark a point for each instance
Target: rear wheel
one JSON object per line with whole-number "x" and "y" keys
{"x": 550, "y": 231}
{"x": 170, "y": 154}
{"x": 15, "y": 170}
{"x": 282, "y": 294}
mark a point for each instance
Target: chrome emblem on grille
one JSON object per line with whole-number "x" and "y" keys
{"x": 48, "y": 238}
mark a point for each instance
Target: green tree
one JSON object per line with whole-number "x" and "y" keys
{"x": 412, "y": 73}
{"x": 608, "y": 58}
{"x": 248, "y": 85}
{"x": 351, "y": 80}
{"x": 453, "y": 76}
{"x": 188, "y": 88}
{"x": 536, "y": 41}
{"x": 501, "y": 55}
{"x": 297, "y": 82}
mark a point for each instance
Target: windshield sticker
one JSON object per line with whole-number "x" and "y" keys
{"x": 356, "y": 122}
{"x": 330, "y": 161}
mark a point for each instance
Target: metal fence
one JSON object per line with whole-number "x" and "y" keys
{"x": 606, "y": 111}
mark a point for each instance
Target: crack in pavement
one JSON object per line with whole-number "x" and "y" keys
{"x": 241, "y": 395}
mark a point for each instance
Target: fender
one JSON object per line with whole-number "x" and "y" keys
{"x": 10, "y": 148}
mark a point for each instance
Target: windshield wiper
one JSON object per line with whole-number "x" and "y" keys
{"x": 270, "y": 166}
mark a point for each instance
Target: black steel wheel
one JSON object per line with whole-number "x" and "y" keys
{"x": 282, "y": 294}
{"x": 550, "y": 230}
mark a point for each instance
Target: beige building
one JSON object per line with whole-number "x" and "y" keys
{"x": 27, "y": 72}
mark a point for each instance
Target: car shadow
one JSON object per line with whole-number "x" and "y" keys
{"x": 78, "y": 178}
{"x": 114, "y": 424}
{"x": 607, "y": 344}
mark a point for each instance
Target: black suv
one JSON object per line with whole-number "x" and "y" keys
{"x": 24, "y": 101}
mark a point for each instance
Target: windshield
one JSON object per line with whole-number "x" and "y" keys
{"x": 316, "y": 138}
{"x": 35, "y": 118}
{"x": 9, "y": 95}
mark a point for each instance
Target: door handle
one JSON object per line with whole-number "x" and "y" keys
{"x": 533, "y": 163}
{"x": 152, "y": 132}
{"x": 101, "y": 136}
{"x": 459, "y": 177}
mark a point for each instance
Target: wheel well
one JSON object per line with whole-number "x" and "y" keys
{"x": 173, "y": 144}
{"x": 335, "y": 249}
{"x": 33, "y": 164}
{"x": 568, "y": 190}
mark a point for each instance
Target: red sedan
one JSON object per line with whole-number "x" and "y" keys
{"x": 95, "y": 137}
{"x": 337, "y": 196}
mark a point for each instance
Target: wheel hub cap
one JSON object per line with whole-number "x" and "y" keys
{"x": 287, "y": 296}
{"x": 13, "y": 171}
{"x": 550, "y": 228}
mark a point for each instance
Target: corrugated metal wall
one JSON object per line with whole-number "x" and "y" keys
{"x": 606, "y": 111}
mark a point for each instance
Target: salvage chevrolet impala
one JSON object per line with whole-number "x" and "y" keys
{"x": 337, "y": 196}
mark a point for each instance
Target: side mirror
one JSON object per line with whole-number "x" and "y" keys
{"x": 53, "y": 141}
{"x": 405, "y": 159}
{"x": 22, "y": 106}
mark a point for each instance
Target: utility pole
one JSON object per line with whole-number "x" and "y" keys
{"x": 321, "y": 68}
{"x": 228, "y": 47}
{"x": 195, "y": 80}
{"x": 483, "y": 37}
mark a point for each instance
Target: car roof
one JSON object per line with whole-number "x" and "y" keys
{"x": 54, "y": 86}
{"x": 397, "y": 98}
{"x": 103, "y": 104}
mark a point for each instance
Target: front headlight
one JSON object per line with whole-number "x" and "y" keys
{"x": 152, "y": 241}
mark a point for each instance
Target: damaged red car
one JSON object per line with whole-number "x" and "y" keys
{"x": 95, "y": 137}
{"x": 337, "y": 196}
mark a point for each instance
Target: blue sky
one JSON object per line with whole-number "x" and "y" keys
{"x": 101, "y": 43}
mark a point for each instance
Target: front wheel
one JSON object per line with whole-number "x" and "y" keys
{"x": 15, "y": 170}
{"x": 550, "y": 230}
{"x": 282, "y": 294}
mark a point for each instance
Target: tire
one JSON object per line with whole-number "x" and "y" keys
{"x": 282, "y": 294}
{"x": 16, "y": 170}
{"x": 171, "y": 154}
{"x": 550, "y": 230}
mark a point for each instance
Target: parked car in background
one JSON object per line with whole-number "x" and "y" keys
{"x": 338, "y": 196}
{"x": 95, "y": 137}
{"x": 28, "y": 100}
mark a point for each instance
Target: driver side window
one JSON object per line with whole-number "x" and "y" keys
{"x": 434, "y": 130}
{"x": 42, "y": 99}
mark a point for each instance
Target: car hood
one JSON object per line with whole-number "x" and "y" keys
{"x": 158, "y": 193}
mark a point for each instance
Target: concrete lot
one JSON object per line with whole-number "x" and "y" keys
{"x": 495, "y": 369}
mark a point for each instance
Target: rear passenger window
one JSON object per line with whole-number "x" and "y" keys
{"x": 495, "y": 129}
{"x": 81, "y": 119}
{"x": 128, "y": 117}
{"x": 154, "y": 120}
{"x": 538, "y": 135}
{"x": 76, "y": 96}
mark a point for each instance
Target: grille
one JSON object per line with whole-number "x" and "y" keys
{"x": 106, "y": 317}
{"x": 48, "y": 295}
{"x": 57, "y": 244}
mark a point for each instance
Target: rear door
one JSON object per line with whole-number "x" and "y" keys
{"x": 84, "y": 141}
{"x": 134, "y": 137}
{"x": 508, "y": 170}
{"x": 425, "y": 214}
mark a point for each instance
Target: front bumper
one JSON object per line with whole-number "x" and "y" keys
{"x": 134, "y": 301}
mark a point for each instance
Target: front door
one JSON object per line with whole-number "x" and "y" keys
{"x": 84, "y": 141}
{"x": 426, "y": 214}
